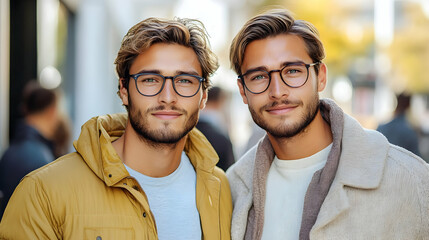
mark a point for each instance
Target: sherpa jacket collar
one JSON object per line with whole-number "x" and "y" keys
{"x": 362, "y": 161}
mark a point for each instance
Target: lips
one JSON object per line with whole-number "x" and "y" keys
{"x": 166, "y": 115}
{"x": 280, "y": 109}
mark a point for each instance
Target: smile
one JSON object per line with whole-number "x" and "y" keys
{"x": 280, "y": 109}
{"x": 166, "y": 115}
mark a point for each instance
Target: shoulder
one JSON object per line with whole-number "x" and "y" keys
{"x": 406, "y": 162}
{"x": 62, "y": 173}
{"x": 225, "y": 191}
{"x": 243, "y": 164}
{"x": 240, "y": 174}
{"x": 219, "y": 173}
{"x": 410, "y": 174}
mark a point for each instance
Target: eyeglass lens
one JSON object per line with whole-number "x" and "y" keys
{"x": 294, "y": 75}
{"x": 152, "y": 84}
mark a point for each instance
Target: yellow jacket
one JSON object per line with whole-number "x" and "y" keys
{"x": 89, "y": 194}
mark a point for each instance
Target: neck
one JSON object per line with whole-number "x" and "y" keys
{"x": 315, "y": 137}
{"x": 150, "y": 159}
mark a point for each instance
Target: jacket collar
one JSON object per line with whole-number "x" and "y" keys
{"x": 361, "y": 166}
{"x": 201, "y": 153}
{"x": 363, "y": 156}
{"x": 362, "y": 160}
{"x": 94, "y": 145}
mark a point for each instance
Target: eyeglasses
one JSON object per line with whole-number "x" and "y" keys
{"x": 151, "y": 84}
{"x": 293, "y": 74}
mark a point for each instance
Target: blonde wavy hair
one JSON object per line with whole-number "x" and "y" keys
{"x": 183, "y": 31}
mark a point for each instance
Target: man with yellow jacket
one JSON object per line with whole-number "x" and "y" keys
{"x": 147, "y": 174}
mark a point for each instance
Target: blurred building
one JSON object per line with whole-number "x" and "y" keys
{"x": 72, "y": 44}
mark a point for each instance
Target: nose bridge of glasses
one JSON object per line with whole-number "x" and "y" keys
{"x": 271, "y": 75}
{"x": 276, "y": 81}
{"x": 165, "y": 85}
{"x": 275, "y": 78}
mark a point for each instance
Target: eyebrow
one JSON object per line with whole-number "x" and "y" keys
{"x": 264, "y": 68}
{"x": 191, "y": 72}
{"x": 188, "y": 72}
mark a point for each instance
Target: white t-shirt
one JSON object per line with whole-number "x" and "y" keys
{"x": 287, "y": 184}
{"x": 172, "y": 201}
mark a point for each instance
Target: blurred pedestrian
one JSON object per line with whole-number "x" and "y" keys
{"x": 317, "y": 174}
{"x": 32, "y": 146}
{"x": 399, "y": 130}
{"x": 144, "y": 174}
{"x": 212, "y": 125}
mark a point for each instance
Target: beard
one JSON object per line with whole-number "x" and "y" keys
{"x": 165, "y": 136}
{"x": 286, "y": 130}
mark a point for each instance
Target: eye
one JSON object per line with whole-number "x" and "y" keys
{"x": 184, "y": 81}
{"x": 258, "y": 77}
{"x": 148, "y": 80}
{"x": 292, "y": 71}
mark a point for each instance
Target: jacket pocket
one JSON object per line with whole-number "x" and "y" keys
{"x": 108, "y": 233}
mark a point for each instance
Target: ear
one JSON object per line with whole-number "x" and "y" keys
{"x": 203, "y": 100}
{"x": 322, "y": 77}
{"x": 123, "y": 92}
{"x": 242, "y": 90}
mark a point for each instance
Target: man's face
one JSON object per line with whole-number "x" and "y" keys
{"x": 281, "y": 110}
{"x": 167, "y": 117}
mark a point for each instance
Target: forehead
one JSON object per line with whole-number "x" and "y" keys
{"x": 167, "y": 58}
{"x": 271, "y": 52}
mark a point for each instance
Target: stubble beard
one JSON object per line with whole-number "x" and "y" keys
{"x": 159, "y": 138}
{"x": 286, "y": 130}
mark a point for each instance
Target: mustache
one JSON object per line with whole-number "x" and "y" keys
{"x": 163, "y": 107}
{"x": 284, "y": 102}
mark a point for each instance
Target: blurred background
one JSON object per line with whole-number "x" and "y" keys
{"x": 375, "y": 50}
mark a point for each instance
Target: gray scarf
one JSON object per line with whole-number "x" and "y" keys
{"x": 319, "y": 185}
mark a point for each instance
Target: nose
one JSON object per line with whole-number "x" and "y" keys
{"x": 167, "y": 94}
{"x": 278, "y": 88}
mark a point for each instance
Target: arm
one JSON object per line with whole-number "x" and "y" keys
{"x": 28, "y": 214}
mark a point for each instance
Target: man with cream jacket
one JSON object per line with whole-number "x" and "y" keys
{"x": 317, "y": 174}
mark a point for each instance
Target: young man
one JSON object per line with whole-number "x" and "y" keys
{"x": 317, "y": 174}
{"x": 145, "y": 175}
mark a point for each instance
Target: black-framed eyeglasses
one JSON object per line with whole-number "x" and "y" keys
{"x": 293, "y": 74}
{"x": 151, "y": 84}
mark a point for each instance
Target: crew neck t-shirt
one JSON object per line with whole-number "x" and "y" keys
{"x": 286, "y": 186}
{"x": 172, "y": 201}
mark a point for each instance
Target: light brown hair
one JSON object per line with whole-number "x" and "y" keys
{"x": 183, "y": 31}
{"x": 270, "y": 24}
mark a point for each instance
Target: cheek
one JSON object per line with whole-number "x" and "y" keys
{"x": 256, "y": 101}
